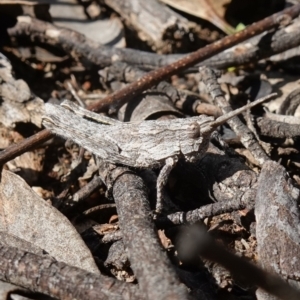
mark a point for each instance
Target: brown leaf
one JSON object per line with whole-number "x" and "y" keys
{"x": 210, "y": 10}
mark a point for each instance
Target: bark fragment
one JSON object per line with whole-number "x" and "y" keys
{"x": 278, "y": 228}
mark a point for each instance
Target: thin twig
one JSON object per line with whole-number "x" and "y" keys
{"x": 25, "y": 145}
{"x": 209, "y": 210}
{"x": 88, "y": 189}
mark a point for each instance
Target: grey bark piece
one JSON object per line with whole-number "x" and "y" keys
{"x": 278, "y": 227}
{"x": 24, "y": 214}
{"x": 147, "y": 144}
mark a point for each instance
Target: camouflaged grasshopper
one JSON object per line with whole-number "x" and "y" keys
{"x": 146, "y": 144}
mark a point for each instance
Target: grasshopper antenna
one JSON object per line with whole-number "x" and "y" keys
{"x": 221, "y": 120}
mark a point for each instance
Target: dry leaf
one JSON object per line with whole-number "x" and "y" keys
{"x": 24, "y": 214}
{"x": 210, "y": 10}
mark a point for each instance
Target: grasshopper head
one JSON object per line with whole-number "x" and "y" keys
{"x": 195, "y": 136}
{"x": 192, "y": 141}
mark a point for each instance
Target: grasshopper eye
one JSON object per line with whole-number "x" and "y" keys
{"x": 194, "y": 130}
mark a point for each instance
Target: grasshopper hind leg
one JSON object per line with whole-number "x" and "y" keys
{"x": 82, "y": 112}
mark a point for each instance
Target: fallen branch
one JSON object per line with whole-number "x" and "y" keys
{"x": 58, "y": 280}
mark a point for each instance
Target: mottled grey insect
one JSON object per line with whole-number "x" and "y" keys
{"x": 146, "y": 144}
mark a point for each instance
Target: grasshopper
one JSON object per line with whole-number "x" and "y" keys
{"x": 146, "y": 144}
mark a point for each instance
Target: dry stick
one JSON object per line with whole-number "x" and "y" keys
{"x": 154, "y": 271}
{"x": 25, "y": 145}
{"x": 247, "y": 138}
{"x": 98, "y": 208}
{"x": 59, "y": 280}
{"x": 257, "y": 48}
{"x": 210, "y": 210}
{"x": 129, "y": 92}
{"x": 88, "y": 189}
